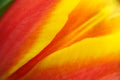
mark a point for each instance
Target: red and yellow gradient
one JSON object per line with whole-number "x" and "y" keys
{"x": 60, "y": 40}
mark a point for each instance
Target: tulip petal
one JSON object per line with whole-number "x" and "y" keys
{"x": 28, "y": 33}
{"x": 14, "y": 32}
{"x": 54, "y": 29}
{"x": 89, "y": 59}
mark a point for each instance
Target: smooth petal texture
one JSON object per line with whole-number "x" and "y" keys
{"x": 60, "y": 40}
{"x": 29, "y": 43}
{"x": 15, "y": 32}
{"x": 113, "y": 76}
{"x": 81, "y": 61}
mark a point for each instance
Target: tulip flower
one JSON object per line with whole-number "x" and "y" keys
{"x": 59, "y": 40}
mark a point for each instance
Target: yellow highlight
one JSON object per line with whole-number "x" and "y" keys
{"x": 105, "y": 47}
{"x": 88, "y": 25}
{"x": 54, "y": 24}
{"x": 92, "y": 48}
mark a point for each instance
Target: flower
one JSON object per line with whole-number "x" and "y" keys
{"x": 60, "y": 40}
